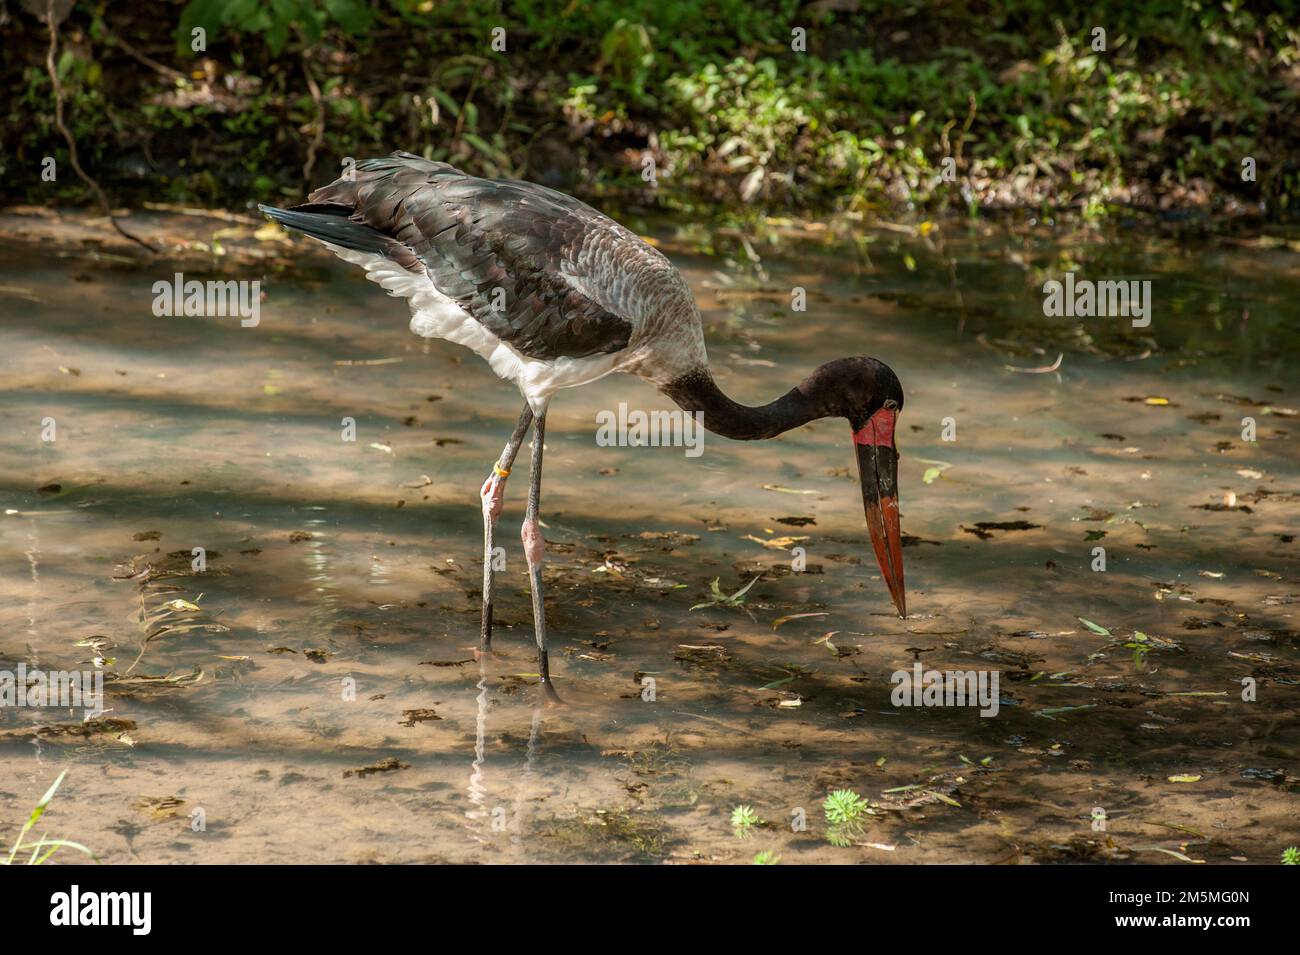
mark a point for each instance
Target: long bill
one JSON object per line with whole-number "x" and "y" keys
{"x": 878, "y": 473}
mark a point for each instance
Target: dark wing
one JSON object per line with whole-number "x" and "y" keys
{"x": 509, "y": 253}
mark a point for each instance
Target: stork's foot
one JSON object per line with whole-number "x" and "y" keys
{"x": 548, "y": 687}
{"x": 535, "y": 552}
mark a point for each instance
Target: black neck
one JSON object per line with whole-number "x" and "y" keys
{"x": 697, "y": 391}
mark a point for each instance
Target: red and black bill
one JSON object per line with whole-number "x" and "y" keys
{"x": 878, "y": 472}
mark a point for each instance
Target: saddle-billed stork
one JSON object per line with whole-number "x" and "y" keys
{"x": 554, "y": 295}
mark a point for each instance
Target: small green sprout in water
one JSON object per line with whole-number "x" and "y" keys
{"x": 743, "y": 821}
{"x": 1140, "y": 645}
{"x": 844, "y": 810}
{"x": 1291, "y": 856}
{"x": 766, "y": 857}
{"x": 50, "y": 846}
{"x": 718, "y": 599}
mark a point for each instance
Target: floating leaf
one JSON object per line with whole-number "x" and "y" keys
{"x": 776, "y": 543}
{"x": 1052, "y": 711}
{"x": 932, "y": 473}
{"x": 1169, "y": 852}
{"x": 796, "y": 616}
{"x": 785, "y": 490}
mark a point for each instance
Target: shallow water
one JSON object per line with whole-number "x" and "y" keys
{"x": 329, "y": 560}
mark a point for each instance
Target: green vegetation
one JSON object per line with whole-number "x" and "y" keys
{"x": 719, "y": 599}
{"x": 1291, "y": 856}
{"x": 1140, "y": 645}
{"x": 719, "y": 96}
{"x": 845, "y": 812}
{"x": 42, "y": 849}
{"x": 743, "y": 821}
{"x": 615, "y": 834}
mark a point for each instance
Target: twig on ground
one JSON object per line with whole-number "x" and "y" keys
{"x": 1038, "y": 371}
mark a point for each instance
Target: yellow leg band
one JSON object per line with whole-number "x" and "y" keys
{"x": 500, "y": 471}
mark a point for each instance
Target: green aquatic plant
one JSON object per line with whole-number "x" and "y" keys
{"x": 42, "y": 848}
{"x": 718, "y": 599}
{"x": 743, "y": 821}
{"x": 844, "y": 811}
{"x": 1140, "y": 645}
{"x": 1291, "y": 856}
{"x": 766, "y": 857}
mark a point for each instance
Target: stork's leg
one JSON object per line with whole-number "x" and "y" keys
{"x": 493, "y": 492}
{"x": 535, "y": 550}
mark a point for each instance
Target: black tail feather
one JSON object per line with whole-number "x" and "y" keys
{"x": 331, "y": 224}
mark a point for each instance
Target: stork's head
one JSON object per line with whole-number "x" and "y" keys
{"x": 867, "y": 393}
